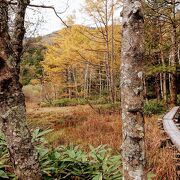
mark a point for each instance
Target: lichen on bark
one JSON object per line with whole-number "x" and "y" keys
{"x": 12, "y": 102}
{"x": 132, "y": 90}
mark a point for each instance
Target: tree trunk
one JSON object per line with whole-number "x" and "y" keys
{"x": 145, "y": 91}
{"x": 109, "y": 58}
{"x": 164, "y": 81}
{"x": 173, "y": 75}
{"x": 86, "y": 82}
{"x": 161, "y": 85}
{"x": 164, "y": 89}
{"x": 164, "y": 84}
{"x": 90, "y": 82}
{"x": 169, "y": 76}
{"x": 132, "y": 90}
{"x": 69, "y": 83}
{"x": 13, "y": 119}
{"x": 174, "y": 58}
{"x": 75, "y": 82}
{"x": 12, "y": 101}
{"x": 158, "y": 88}
{"x": 113, "y": 89}
{"x": 100, "y": 82}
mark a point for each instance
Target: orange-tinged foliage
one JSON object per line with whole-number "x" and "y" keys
{"x": 78, "y": 52}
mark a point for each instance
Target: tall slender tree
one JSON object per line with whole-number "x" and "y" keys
{"x": 165, "y": 14}
{"x": 102, "y": 13}
{"x": 132, "y": 90}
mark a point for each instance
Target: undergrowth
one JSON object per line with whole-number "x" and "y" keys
{"x": 152, "y": 107}
{"x": 90, "y": 127}
{"x": 66, "y": 162}
{"x": 64, "y": 102}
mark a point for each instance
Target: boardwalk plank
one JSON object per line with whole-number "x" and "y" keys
{"x": 170, "y": 127}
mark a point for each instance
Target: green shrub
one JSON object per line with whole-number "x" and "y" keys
{"x": 63, "y": 102}
{"x": 4, "y": 160}
{"x": 68, "y": 102}
{"x": 100, "y": 100}
{"x": 108, "y": 108}
{"x": 72, "y": 163}
{"x": 76, "y": 101}
{"x": 46, "y": 104}
{"x": 153, "y": 107}
{"x": 67, "y": 162}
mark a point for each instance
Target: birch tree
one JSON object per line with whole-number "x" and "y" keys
{"x": 132, "y": 90}
{"x": 102, "y": 14}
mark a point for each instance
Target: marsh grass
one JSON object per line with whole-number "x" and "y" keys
{"x": 83, "y": 126}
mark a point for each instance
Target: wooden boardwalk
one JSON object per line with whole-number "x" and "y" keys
{"x": 171, "y": 125}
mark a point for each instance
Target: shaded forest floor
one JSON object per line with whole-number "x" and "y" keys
{"x": 82, "y": 125}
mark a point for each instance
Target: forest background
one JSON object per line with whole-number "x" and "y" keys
{"x": 79, "y": 66}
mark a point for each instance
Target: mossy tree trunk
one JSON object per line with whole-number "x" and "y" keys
{"x": 12, "y": 101}
{"x": 132, "y": 90}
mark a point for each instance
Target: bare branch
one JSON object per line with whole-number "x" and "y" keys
{"x": 46, "y": 7}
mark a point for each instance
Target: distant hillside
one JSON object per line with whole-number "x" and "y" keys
{"x": 40, "y": 40}
{"x": 47, "y": 39}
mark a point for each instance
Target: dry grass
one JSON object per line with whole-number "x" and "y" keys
{"x": 159, "y": 160}
{"x": 81, "y": 125}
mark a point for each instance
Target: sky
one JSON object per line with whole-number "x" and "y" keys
{"x": 49, "y": 21}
